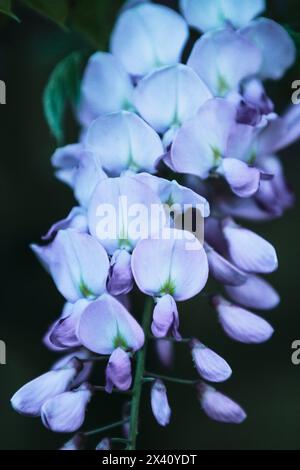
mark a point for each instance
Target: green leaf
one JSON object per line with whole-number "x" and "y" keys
{"x": 55, "y": 10}
{"x": 5, "y": 8}
{"x": 94, "y": 19}
{"x": 62, "y": 90}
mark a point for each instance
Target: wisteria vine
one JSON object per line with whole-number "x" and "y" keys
{"x": 146, "y": 118}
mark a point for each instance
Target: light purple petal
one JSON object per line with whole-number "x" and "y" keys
{"x": 87, "y": 366}
{"x": 29, "y": 399}
{"x": 120, "y": 278}
{"x": 170, "y": 96}
{"x": 171, "y": 265}
{"x": 255, "y": 293}
{"x": 205, "y": 135}
{"x": 242, "y": 325}
{"x": 118, "y": 371}
{"x": 209, "y": 365}
{"x": 122, "y": 141}
{"x": 76, "y": 219}
{"x": 222, "y": 270}
{"x": 105, "y": 88}
{"x": 219, "y": 407}
{"x": 88, "y": 174}
{"x": 63, "y": 333}
{"x": 277, "y": 47}
{"x": 77, "y": 262}
{"x": 159, "y": 403}
{"x": 210, "y": 14}
{"x": 65, "y": 161}
{"x": 248, "y": 251}
{"x": 66, "y": 412}
{"x": 165, "y": 318}
{"x": 224, "y": 58}
{"x": 119, "y": 213}
{"x": 141, "y": 39}
{"x": 106, "y": 324}
{"x": 243, "y": 180}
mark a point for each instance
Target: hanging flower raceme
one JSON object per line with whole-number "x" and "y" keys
{"x": 171, "y": 156}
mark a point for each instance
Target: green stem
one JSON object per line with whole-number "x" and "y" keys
{"x": 171, "y": 339}
{"x": 138, "y": 380}
{"x": 106, "y": 428}
{"x": 167, "y": 378}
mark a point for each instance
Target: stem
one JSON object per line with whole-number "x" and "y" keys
{"x": 151, "y": 375}
{"x": 171, "y": 339}
{"x": 138, "y": 380}
{"x": 106, "y": 428}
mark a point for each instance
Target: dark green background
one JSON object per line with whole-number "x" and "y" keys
{"x": 264, "y": 380}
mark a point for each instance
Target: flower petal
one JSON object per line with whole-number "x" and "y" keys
{"x": 120, "y": 211}
{"x": 242, "y": 325}
{"x": 165, "y": 318}
{"x": 100, "y": 94}
{"x": 255, "y": 293}
{"x": 209, "y": 365}
{"x": 224, "y": 58}
{"x": 66, "y": 412}
{"x": 219, "y": 407}
{"x": 170, "y": 96}
{"x": 141, "y": 39}
{"x": 243, "y": 180}
{"x": 77, "y": 262}
{"x": 118, "y": 371}
{"x": 120, "y": 278}
{"x": 65, "y": 161}
{"x": 248, "y": 251}
{"x": 171, "y": 265}
{"x": 105, "y": 325}
{"x": 76, "y": 219}
{"x": 277, "y": 47}
{"x": 222, "y": 270}
{"x": 29, "y": 399}
{"x": 159, "y": 403}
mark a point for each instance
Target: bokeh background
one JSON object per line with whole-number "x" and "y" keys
{"x": 265, "y": 381}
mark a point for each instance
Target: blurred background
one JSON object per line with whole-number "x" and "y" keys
{"x": 265, "y": 381}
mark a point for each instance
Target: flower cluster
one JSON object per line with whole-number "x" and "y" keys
{"x": 143, "y": 113}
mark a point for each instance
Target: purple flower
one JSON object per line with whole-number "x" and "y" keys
{"x": 159, "y": 403}
{"x": 274, "y": 42}
{"x": 86, "y": 366}
{"x": 118, "y": 371}
{"x": 169, "y": 96}
{"x": 223, "y": 58}
{"x": 120, "y": 279}
{"x": 141, "y": 39}
{"x": 243, "y": 179}
{"x": 113, "y": 212}
{"x": 248, "y": 251}
{"x": 256, "y": 292}
{"x": 222, "y": 270}
{"x": 106, "y": 325}
{"x": 123, "y": 141}
{"x": 165, "y": 318}
{"x": 100, "y": 94}
{"x": 76, "y": 219}
{"x": 29, "y": 399}
{"x": 219, "y": 407}
{"x": 65, "y": 161}
{"x": 174, "y": 266}
{"x": 206, "y": 15}
{"x": 209, "y": 365}
{"x": 66, "y": 412}
{"x": 64, "y": 331}
{"x": 240, "y": 324}
{"x": 77, "y": 262}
